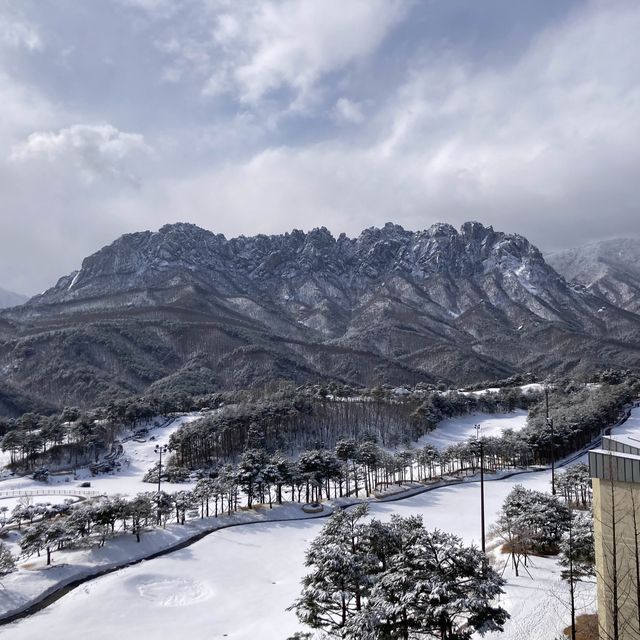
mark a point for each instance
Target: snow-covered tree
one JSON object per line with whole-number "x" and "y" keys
{"x": 577, "y": 557}
{"x": 574, "y": 484}
{"x": 7, "y": 561}
{"x": 141, "y": 510}
{"x": 342, "y": 565}
{"x": 433, "y": 586}
{"x": 163, "y": 506}
{"x": 380, "y": 581}
{"x": 183, "y": 501}
{"x": 45, "y": 535}
{"x": 204, "y": 491}
{"x": 530, "y": 522}
{"x": 250, "y": 468}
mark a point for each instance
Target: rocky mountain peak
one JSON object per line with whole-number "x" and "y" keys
{"x": 141, "y": 260}
{"x": 390, "y": 304}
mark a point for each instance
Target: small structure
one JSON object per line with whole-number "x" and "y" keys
{"x": 615, "y": 473}
{"x": 315, "y": 507}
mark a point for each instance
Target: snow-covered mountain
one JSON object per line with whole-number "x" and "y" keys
{"x": 183, "y": 308}
{"x": 10, "y": 299}
{"x": 609, "y": 269}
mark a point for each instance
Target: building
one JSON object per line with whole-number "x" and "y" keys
{"x": 615, "y": 473}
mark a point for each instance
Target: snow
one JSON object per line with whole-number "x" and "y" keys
{"x": 525, "y": 388}
{"x": 462, "y": 428}
{"x": 137, "y": 459}
{"x": 238, "y": 582}
{"x": 213, "y": 583}
{"x": 35, "y": 578}
{"x": 630, "y": 429}
{"x": 75, "y": 279}
{"x": 44, "y": 499}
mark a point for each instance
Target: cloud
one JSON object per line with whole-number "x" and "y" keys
{"x": 253, "y": 51}
{"x": 16, "y": 33}
{"x": 57, "y": 188}
{"x": 21, "y": 109}
{"x": 316, "y": 114}
{"x": 543, "y": 145}
{"x": 348, "y": 111}
{"x": 94, "y": 151}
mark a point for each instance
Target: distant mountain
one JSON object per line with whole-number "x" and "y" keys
{"x": 609, "y": 269}
{"x": 183, "y": 309}
{"x": 10, "y": 299}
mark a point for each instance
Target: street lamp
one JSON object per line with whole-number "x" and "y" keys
{"x": 160, "y": 449}
{"x": 553, "y": 439}
{"x": 477, "y": 427}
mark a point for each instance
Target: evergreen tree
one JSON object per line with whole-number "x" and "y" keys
{"x": 342, "y": 566}
{"x": 381, "y": 581}
{"x": 7, "y": 561}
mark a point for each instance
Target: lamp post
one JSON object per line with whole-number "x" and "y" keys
{"x": 479, "y": 439}
{"x": 160, "y": 449}
{"x": 553, "y": 440}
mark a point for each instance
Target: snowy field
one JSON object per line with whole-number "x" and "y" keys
{"x": 38, "y": 500}
{"x": 237, "y": 583}
{"x": 461, "y": 428}
{"x": 138, "y": 457}
{"x": 525, "y": 388}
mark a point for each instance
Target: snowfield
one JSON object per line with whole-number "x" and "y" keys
{"x": 462, "y": 428}
{"x": 238, "y": 582}
{"x": 136, "y": 460}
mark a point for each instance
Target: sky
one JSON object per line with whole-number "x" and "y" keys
{"x": 249, "y": 117}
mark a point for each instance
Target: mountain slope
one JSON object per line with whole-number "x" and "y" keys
{"x": 10, "y": 299}
{"x": 185, "y": 308}
{"x": 609, "y": 269}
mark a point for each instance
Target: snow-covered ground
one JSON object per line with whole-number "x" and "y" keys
{"x": 47, "y": 499}
{"x": 138, "y": 457}
{"x": 237, "y": 583}
{"x": 461, "y": 428}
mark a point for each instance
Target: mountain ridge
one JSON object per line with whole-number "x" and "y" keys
{"x": 154, "y": 309}
{"x": 11, "y": 299}
{"x": 609, "y": 269}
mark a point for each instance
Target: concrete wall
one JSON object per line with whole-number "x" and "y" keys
{"x": 616, "y": 508}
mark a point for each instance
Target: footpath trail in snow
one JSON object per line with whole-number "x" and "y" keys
{"x": 237, "y": 583}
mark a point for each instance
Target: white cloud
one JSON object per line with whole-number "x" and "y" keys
{"x": 92, "y": 150}
{"x": 254, "y": 50}
{"x": 21, "y": 110}
{"x": 293, "y": 44}
{"x": 545, "y": 146}
{"x": 16, "y": 33}
{"x": 348, "y": 111}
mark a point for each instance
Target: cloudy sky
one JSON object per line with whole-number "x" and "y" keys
{"x": 258, "y": 117}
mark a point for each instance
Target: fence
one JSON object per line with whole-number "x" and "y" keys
{"x": 18, "y": 493}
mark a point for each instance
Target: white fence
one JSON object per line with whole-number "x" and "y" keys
{"x": 18, "y": 493}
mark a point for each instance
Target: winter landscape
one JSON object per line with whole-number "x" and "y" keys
{"x": 262, "y": 557}
{"x": 319, "y": 319}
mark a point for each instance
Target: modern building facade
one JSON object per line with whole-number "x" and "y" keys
{"x": 615, "y": 473}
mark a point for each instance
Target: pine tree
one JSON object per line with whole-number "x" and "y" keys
{"x": 7, "y": 561}
{"x": 577, "y": 557}
{"x": 341, "y": 576}
{"x": 381, "y": 581}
